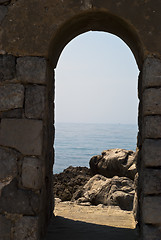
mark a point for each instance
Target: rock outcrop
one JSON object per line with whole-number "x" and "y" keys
{"x": 69, "y": 181}
{"x": 114, "y": 162}
{"x": 107, "y": 191}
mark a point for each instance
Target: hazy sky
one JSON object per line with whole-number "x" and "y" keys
{"x": 96, "y": 81}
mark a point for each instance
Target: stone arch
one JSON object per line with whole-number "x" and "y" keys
{"x": 29, "y": 52}
{"x": 95, "y": 21}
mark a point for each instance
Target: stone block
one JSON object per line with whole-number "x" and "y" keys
{"x": 152, "y": 73}
{"x": 152, "y": 101}
{"x": 31, "y": 70}
{"x": 151, "y": 232}
{"x": 152, "y": 181}
{"x": 32, "y": 173}
{"x": 151, "y": 153}
{"x": 25, "y": 135}
{"x": 151, "y": 209}
{"x": 14, "y": 113}
{"x": 5, "y": 228}
{"x": 3, "y": 12}
{"x": 26, "y": 228}
{"x": 8, "y": 163}
{"x": 7, "y": 67}
{"x": 14, "y": 200}
{"x": 35, "y": 102}
{"x": 152, "y": 127}
{"x": 11, "y": 96}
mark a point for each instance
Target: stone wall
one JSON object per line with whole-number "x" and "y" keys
{"x": 24, "y": 180}
{"x": 33, "y": 34}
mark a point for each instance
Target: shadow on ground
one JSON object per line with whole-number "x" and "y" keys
{"x": 66, "y": 229}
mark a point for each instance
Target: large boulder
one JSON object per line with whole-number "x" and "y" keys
{"x": 114, "y": 162}
{"x": 69, "y": 181}
{"x": 118, "y": 191}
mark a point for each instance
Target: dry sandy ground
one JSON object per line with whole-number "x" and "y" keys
{"x": 76, "y": 222}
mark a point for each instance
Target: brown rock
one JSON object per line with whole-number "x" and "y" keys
{"x": 7, "y": 67}
{"x": 35, "y": 102}
{"x": 32, "y": 173}
{"x": 14, "y": 200}
{"x": 114, "y": 162}
{"x": 152, "y": 181}
{"x": 152, "y": 127}
{"x": 31, "y": 70}
{"x": 3, "y": 12}
{"x": 11, "y": 96}
{"x": 26, "y": 228}
{"x": 151, "y": 101}
{"x": 8, "y": 163}
{"x": 151, "y": 204}
{"x": 152, "y": 73}
{"x": 23, "y": 134}
{"x": 151, "y": 153}
{"x": 101, "y": 190}
{"x": 5, "y": 228}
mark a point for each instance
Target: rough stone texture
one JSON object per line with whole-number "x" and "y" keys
{"x": 23, "y": 134}
{"x": 5, "y": 1}
{"x": 11, "y": 96}
{"x": 8, "y": 163}
{"x": 151, "y": 153}
{"x": 152, "y": 73}
{"x": 151, "y": 209}
{"x": 114, "y": 162}
{"x": 152, "y": 181}
{"x": 26, "y": 228}
{"x": 31, "y": 70}
{"x": 35, "y": 102}
{"x": 151, "y": 232}
{"x": 32, "y": 173}
{"x": 14, "y": 200}
{"x": 7, "y": 67}
{"x": 14, "y": 113}
{"x": 152, "y": 127}
{"x": 3, "y": 12}
{"x": 117, "y": 191}
{"x": 5, "y": 228}
{"x": 152, "y": 101}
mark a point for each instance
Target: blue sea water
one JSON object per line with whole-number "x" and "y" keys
{"x": 76, "y": 143}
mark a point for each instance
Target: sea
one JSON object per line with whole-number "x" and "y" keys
{"x": 76, "y": 143}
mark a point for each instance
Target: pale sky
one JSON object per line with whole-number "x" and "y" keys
{"x": 96, "y": 81}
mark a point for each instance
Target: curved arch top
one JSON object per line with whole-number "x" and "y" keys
{"x": 95, "y": 21}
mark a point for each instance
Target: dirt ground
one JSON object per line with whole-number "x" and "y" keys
{"x": 77, "y": 222}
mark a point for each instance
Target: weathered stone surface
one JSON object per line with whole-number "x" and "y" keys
{"x": 32, "y": 173}
{"x": 5, "y": 228}
{"x": 152, "y": 101}
{"x": 14, "y": 200}
{"x": 152, "y": 181}
{"x": 35, "y": 102}
{"x": 23, "y": 134}
{"x": 151, "y": 232}
{"x": 151, "y": 153}
{"x": 5, "y": 1}
{"x": 8, "y": 163}
{"x": 14, "y": 113}
{"x": 152, "y": 127}
{"x": 152, "y": 73}
{"x": 7, "y": 67}
{"x": 117, "y": 191}
{"x": 26, "y": 228}
{"x": 31, "y": 70}
{"x": 3, "y": 12}
{"x": 151, "y": 209}
{"x": 114, "y": 162}
{"x": 11, "y": 96}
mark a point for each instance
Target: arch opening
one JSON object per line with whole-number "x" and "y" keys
{"x": 95, "y": 21}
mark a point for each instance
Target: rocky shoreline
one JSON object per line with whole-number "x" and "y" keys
{"x": 109, "y": 180}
